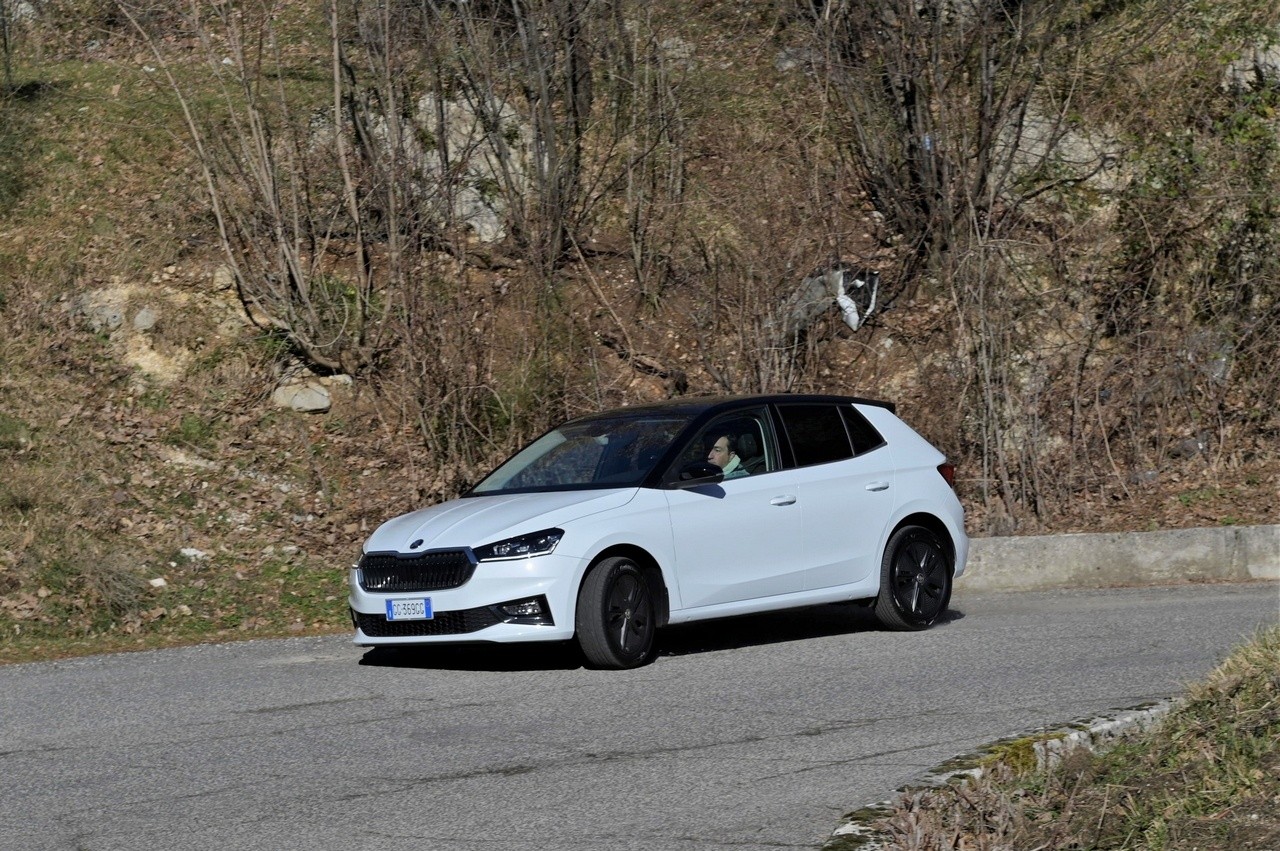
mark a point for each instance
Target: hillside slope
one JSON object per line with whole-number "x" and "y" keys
{"x": 1094, "y": 341}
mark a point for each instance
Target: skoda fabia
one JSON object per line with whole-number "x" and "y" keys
{"x": 613, "y": 525}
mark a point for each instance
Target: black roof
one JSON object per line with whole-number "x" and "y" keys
{"x": 702, "y": 404}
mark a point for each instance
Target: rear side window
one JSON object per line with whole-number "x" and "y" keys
{"x": 864, "y": 434}
{"x": 816, "y": 432}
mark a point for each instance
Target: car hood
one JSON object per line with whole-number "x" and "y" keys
{"x": 478, "y": 520}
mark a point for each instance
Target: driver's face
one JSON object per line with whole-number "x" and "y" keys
{"x": 719, "y": 453}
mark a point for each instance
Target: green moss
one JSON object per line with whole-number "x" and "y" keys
{"x": 14, "y": 433}
{"x": 1020, "y": 754}
{"x": 195, "y": 431}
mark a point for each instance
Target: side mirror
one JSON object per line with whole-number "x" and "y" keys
{"x": 697, "y": 473}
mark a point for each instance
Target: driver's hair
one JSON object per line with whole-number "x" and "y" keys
{"x": 730, "y": 439}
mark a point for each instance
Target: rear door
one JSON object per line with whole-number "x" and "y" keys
{"x": 845, "y": 489}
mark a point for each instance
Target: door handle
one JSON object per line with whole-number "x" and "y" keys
{"x": 785, "y": 499}
{"x": 878, "y": 486}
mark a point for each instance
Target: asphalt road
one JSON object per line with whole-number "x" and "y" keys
{"x": 752, "y": 734}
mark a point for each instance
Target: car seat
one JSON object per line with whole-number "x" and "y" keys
{"x": 750, "y": 452}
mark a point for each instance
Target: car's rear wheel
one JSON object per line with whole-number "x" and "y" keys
{"x": 915, "y": 580}
{"x": 616, "y": 619}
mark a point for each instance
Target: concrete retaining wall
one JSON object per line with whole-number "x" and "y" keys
{"x": 1229, "y": 554}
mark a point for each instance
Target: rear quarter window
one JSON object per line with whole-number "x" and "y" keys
{"x": 862, "y": 433}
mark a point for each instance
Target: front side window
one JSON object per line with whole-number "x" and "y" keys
{"x": 816, "y": 432}
{"x": 740, "y": 444}
{"x": 612, "y": 452}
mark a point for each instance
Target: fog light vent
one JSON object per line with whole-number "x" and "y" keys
{"x": 530, "y": 610}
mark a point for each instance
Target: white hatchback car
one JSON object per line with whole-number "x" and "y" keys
{"x": 612, "y": 525}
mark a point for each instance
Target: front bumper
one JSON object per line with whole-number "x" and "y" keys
{"x": 468, "y": 613}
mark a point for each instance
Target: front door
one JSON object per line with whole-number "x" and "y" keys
{"x": 740, "y": 539}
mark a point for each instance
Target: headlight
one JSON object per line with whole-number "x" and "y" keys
{"x": 522, "y": 546}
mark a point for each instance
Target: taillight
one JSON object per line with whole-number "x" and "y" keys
{"x": 948, "y": 472}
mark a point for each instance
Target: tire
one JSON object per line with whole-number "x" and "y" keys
{"x": 616, "y": 620}
{"x": 915, "y": 580}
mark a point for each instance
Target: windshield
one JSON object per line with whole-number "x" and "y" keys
{"x": 613, "y": 452}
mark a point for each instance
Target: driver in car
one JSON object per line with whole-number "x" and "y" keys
{"x": 724, "y": 454}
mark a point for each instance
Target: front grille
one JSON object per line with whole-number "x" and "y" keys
{"x": 444, "y": 623}
{"x": 438, "y": 570}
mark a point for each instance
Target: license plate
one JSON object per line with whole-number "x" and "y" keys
{"x": 417, "y": 609}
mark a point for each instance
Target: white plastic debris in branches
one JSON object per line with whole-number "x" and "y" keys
{"x": 853, "y": 288}
{"x": 854, "y": 308}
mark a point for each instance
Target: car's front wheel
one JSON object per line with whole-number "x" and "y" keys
{"x": 915, "y": 580}
{"x": 616, "y": 619}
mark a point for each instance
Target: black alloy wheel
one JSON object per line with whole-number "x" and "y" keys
{"x": 915, "y": 580}
{"x": 616, "y": 620}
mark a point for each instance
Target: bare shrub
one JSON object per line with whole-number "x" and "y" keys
{"x": 561, "y": 121}
{"x": 953, "y": 130}
{"x": 296, "y": 247}
{"x": 338, "y": 202}
{"x": 110, "y": 583}
{"x": 987, "y": 135}
{"x": 1201, "y": 244}
{"x": 654, "y": 125}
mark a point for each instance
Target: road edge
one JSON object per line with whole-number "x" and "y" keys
{"x": 1102, "y": 560}
{"x": 857, "y": 831}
